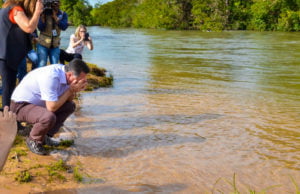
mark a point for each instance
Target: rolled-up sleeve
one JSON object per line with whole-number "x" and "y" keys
{"x": 63, "y": 22}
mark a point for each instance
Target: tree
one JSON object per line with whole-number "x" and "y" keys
{"x": 79, "y": 11}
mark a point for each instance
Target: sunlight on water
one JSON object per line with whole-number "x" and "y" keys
{"x": 188, "y": 109}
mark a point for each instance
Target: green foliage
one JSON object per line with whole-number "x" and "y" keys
{"x": 117, "y": 13}
{"x": 289, "y": 21}
{"x": 23, "y": 176}
{"x": 79, "y": 11}
{"x": 239, "y": 15}
{"x": 208, "y": 15}
{"x": 204, "y": 15}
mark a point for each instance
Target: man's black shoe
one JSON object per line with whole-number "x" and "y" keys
{"x": 50, "y": 141}
{"x": 36, "y": 147}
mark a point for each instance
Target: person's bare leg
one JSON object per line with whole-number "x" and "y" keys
{"x": 8, "y": 131}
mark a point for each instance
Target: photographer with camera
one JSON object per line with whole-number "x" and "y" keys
{"x": 51, "y": 22}
{"x": 78, "y": 40}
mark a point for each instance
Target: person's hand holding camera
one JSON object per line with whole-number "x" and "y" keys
{"x": 39, "y": 7}
{"x": 54, "y": 15}
{"x": 87, "y": 37}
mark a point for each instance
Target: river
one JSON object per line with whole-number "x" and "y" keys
{"x": 191, "y": 112}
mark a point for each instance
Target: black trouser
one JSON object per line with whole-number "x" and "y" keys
{"x": 9, "y": 78}
{"x": 64, "y": 56}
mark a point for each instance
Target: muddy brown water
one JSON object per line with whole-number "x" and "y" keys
{"x": 189, "y": 111}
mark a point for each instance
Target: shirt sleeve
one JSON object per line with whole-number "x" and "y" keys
{"x": 13, "y": 12}
{"x": 41, "y": 24}
{"x": 63, "y": 20}
{"x": 49, "y": 88}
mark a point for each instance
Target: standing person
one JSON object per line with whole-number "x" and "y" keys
{"x": 78, "y": 41}
{"x": 51, "y": 22}
{"x": 32, "y": 56}
{"x": 44, "y": 98}
{"x": 17, "y": 20}
{"x": 8, "y": 132}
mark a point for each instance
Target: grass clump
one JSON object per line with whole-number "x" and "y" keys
{"x": 55, "y": 169}
{"x": 66, "y": 143}
{"x": 98, "y": 78}
{"x": 95, "y": 70}
{"x": 23, "y": 176}
{"x": 77, "y": 175}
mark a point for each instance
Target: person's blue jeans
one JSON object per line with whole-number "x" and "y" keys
{"x": 44, "y": 53}
{"x": 22, "y": 68}
{"x": 33, "y": 57}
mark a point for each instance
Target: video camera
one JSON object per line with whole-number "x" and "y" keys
{"x": 48, "y": 6}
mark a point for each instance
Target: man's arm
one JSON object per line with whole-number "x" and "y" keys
{"x": 55, "y": 105}
{"x": 63, "y": 21}
{"x": 42, "y": 23}
{"x": 28, "y": 25}
{"x": 67, "y": 95}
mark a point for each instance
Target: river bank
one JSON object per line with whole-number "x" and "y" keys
{"x": 26, "y": 172}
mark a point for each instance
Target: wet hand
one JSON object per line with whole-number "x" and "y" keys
{"x": 77, "y": 86}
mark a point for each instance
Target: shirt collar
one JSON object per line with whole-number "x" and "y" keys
{"x": 62, "y": 76}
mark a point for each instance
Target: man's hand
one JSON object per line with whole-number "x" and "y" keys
{"x": 77, "y": 86}
{"x": 54, "y": 15}
{"x": 8, "y": 123}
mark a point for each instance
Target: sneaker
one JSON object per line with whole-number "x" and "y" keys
{"x": 51, "y": 141}
{"x": 36, "y": 147}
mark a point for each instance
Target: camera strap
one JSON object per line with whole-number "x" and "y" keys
{"x": 54, "y": 32}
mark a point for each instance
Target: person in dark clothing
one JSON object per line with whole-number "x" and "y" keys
{"x": 64, "y": 56}
{"x": 32, "y": 56}
{"x": 17, "y": 20}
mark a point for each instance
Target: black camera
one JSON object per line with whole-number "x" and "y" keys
{"x": 48, "y": 6}
{"x": 86, "y": 36}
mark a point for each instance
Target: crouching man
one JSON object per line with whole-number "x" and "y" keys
{"x": 44, "y": 98}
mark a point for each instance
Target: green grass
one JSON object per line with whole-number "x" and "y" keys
{"x": 77, "y": 175}
{"x": 55, "y": 169}
{"x": 66, "y": 143}
{"x": 23, "y": 176}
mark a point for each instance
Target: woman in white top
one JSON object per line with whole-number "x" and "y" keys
{"x": 78, "y": 41}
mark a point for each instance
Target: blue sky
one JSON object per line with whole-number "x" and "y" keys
{"x": 93, "y": 2}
